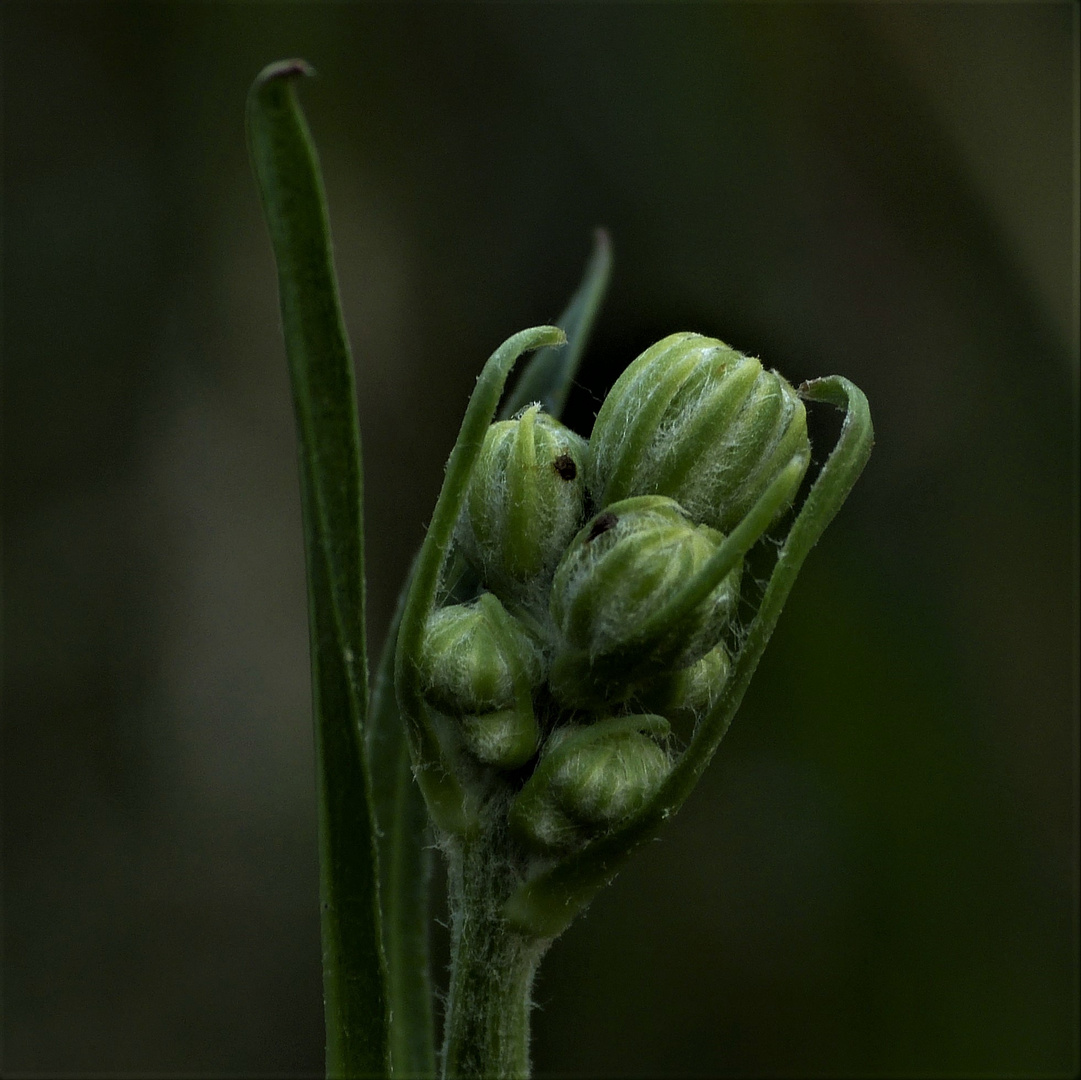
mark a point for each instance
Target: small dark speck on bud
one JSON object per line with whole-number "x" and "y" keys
{"x": 564, "y": 465}
{"x": 601, "y": 525}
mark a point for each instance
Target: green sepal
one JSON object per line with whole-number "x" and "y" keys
{"x": 524, "y": 503}
{"x": 685, "y": 694}
{"x": 476, "y": 657}
{"x": 479, "y": 666}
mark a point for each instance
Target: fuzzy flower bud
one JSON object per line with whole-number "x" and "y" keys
{"x": 685, "y": 694}
{"x": 524, "y": 503}
{"x": 609, "y": 596}
{"x": 697, "y": 421}
{"x": 479, "y": 666}
{"x": 588, "y": 780}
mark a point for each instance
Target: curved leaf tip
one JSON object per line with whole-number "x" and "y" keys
{"x": 284, "y": 69}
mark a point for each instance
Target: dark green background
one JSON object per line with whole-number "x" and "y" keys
{"x": 880, "y": 872}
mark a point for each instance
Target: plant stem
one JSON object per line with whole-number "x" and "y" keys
{"x": 492, "y": 965}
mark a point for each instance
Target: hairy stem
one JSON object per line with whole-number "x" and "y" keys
{"x": 492, "y": 965}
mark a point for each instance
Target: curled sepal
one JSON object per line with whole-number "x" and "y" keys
{"x": 697, "y": 421}
{"x": 524, "y": 503}
{"x": 479, "y": 666}
{"x": 449, "y": 804}
{"x": 618, "y": 574}
{"x": 546, "y": 903}
{"x": 588, "y": 780}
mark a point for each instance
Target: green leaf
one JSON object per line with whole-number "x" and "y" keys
{"x": 546, "y": 904}
{"x": 405, "y": 864}
{"x": 548, "y": 376}
{"x": 449, "y": 805}
{"x": 321, "y": 373}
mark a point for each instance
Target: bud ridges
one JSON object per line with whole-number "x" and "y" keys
{"x": 523, "y": 504}
{"x": 619, "y": 572}
{"x": 479, "y": 666}
{"x": 687, "y": 693}
{"x": 697, "y": 421}
{"x": 590, "y": 779}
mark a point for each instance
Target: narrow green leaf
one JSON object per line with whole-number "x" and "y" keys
{"x": 449, "y": 806}
{"x": 548, "y": 376}
{"x": 546, "y": 904}
{"x": 321, "y": 373}
{"x": 405, "y": 864}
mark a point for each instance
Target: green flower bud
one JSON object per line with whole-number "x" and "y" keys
{"x": 506, "y": 738}
{"x": 697, "y": 421}
{"x": 523, "y": 504}
{"x": 685, "y": 694}
{"x": 589, "y": 780}
{"x": 479, "y": 665}
{"x": 609, "y": 594}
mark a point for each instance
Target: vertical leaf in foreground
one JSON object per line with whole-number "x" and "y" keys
{"x": 321, "y": 373}
{"x": 405, "y": 864}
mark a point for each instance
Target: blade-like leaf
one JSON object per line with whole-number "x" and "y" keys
{"x": 321, "y": 373}
{"x": 548, "y": 376}
{"x": 546, "y": 905}
{"x": 405, "y": 864}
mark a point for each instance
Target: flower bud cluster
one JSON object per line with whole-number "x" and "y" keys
{"x": 584, "y": 553}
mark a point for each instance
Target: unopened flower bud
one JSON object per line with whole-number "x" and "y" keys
{"x": 685, "y": 694}
{"x": 523, "y": 504}
{"x": 610, "y": 593}
{"x": 506, "y": 738}
{"x": 589, "y": 780}
{"x": 479, "y": 666}
{"x": 697, "y": 421}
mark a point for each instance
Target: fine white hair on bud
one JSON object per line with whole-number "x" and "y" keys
{"x": 611, "y": 588}
{"x": 524, "y": 503}
{"x": 685, "y": 694}
{"x": 479, "y": 665}
{"x": 697, "y": 421}
{"x": 588, "y": 780}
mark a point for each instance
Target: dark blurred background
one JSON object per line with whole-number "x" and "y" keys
{"x": 879, "y": 874}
